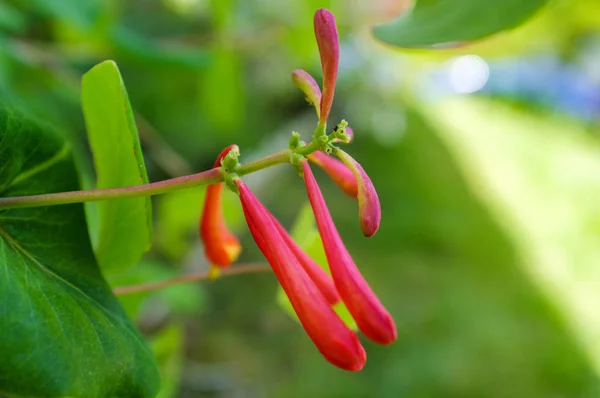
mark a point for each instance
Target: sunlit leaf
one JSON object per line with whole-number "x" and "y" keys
{"x": 539, "y": 177}
{"x": 124, "y": 225}
{"x": 449, "y": 22}
{"x": 62, "y": 331}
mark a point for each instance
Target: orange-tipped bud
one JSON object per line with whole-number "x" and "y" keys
{"x": 220, "y": 246}
{"x": 370, "y": 315}
{"x": 328, "y": 42}
{"x": 341, "y": 175}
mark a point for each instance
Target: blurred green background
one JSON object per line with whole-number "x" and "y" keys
{"x": 486, "y": 158}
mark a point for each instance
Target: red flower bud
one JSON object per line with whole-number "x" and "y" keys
{"x": 305, "y": 82}
{"x": 338, "y": 171}
{"x": 326, "y": 34}
{"x": 338, "y": 344}
{"x": 366, "y": 309}
{"x": 221, "y": 247}
{"x": 369, "y": 209}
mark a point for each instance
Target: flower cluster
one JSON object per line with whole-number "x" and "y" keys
{"x": 311, "y": 290}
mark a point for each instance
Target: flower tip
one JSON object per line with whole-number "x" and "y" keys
{"x": 388, "y": 332}
{"x": 324, "y": 17}
{"x": 347, "y": 357}
{"x": 328, "y": 42}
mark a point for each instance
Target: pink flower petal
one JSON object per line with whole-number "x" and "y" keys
{"x": 338, "y": 344}
{"x": 370, "y": 315}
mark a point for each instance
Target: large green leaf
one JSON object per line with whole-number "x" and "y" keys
{"x": 124, "y": 225}
{"x": 62, "y": 331}
{"x": 434, "y": 22}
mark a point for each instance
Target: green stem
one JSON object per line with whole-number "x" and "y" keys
{"x": 189, "y": 278}
{"x": 267, "y": 161}
{"x": 211, "y": 176}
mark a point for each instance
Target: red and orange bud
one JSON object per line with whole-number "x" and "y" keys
{"x": 338, "y": 344}
{"x": 221, "y": 247}
{"x": 370, "y": 315}
{"x": 305, "y": 82}
{"x": 329, "y": 49}
{"x": 338, "y": 171}
{"x": 318, "y": 275}
{"x": 369, "y": 209}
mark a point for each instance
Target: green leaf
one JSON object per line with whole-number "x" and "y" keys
{"x": 62, "y": 331}
{"x": 539, "y": 177}
{"x": 434, "y": 22}
{"x": 305, "y": 233}
{"x": 124, "y": 226}
{"x": 11, "y": 19}
{"x": 79, "y": 13}
{"x": 130, "y": 44}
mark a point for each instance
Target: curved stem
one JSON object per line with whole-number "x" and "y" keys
{"x": 195, "y": 277}
{"x": 208, "y": 177}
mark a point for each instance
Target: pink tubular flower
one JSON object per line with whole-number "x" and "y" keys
{"x": 221, "y": 247}
{"x": 369, "y": 209}
{"x": 305, "y": 82}
{"x": 338, "y": 344}
{"x": 338, "y": 171}
{"x": 326, "y": 34}
{"x": 366, "y": 309}
{"x": 318, "y": 275}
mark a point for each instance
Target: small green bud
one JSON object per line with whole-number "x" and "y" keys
{"x": 295, "y": 140}
{"x": 230, "y": 162}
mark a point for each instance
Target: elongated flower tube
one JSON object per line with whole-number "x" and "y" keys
{"x": 221, "y": 247}
{"x": 338, "y": 344}
{"x": 338, "y": 171}
{"x": 305, "y": 82}
{"x": 328, "y": 42}
{"x": 366, "y": 309}
{"x": 318, "y": 275}
{"x": 369, "y": 209}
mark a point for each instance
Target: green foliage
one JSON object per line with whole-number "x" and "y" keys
{"x": 62, "y": 331}
{"x": 124, "y": 226}
{"x": 435, "y": 22}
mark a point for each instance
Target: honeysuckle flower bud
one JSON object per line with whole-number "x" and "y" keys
{"x": 338, "y": 344}
{"x": 338, "y": 171}
{"x": 369, "y": 209}
{"x": 305, "y": 82}
{"x": 318, "y": 275}
{"x": 221, "y": 247}
{"x": 326, "y": 34}
{"x": 366, "y": 309}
